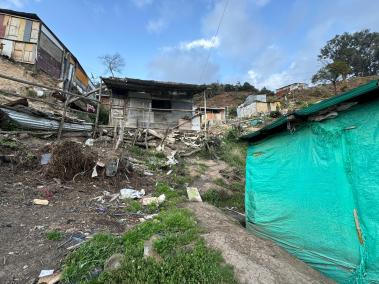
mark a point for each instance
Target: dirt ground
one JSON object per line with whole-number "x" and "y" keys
{"x": 24, "y": 248}
{"x": 254, "y": 260}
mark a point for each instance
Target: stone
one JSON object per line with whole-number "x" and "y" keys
{"x": 114, "y": 262}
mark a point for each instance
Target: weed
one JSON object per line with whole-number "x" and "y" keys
{"x": 185, "y": 257}
{"x": 133, "y": 206}
{"x": 224, "y": 198}
{"x": 54, "y": 235}
{"x": 80, "y": 264}
{"x": 31, "y": 93}
{"x": 9, "y": 143}
{"x": 202, "y": 167}
{"x": 220, "y": 182}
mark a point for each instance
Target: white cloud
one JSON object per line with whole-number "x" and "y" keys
{"x": 212, "y": 42}
{"x": 142, "y": 3}
{"x": 156, "y": 25}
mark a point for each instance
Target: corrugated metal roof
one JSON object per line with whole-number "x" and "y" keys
{"x": 146, "y": 85}
{"x": 33, "y": 122}
{"x": 279, "y": 124}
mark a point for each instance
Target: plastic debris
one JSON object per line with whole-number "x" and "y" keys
{"x": 193, "y": 194}
{"x": 94, "y": 172}
{"x": 129, "y": 193}
{"x": 111, "y": 168}
{"x": 146, "y": 173}
{"x": 46, "y": 272}
{"x": 89, "y": 142}
{"x": 40, "y": 202}
{"x": 45, "y": 158}
{"x": 171, "y": 159}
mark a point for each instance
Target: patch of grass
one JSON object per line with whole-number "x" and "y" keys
{"x": 202, "y": 167}
{"x": 225, "y": 198}
{"x": 80, "y": 264}
{"x": 54, "y": 235}
{"x": 133, "y": 206}
{"x": 220, "y": 182}
{"x": 185, "y": 257}
{"x": 9, "y": 143}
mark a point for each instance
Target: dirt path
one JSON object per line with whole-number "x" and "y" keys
{"x": 254, "y": 260}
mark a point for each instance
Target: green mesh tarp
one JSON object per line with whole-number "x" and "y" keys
{"x": 302, "y": 190}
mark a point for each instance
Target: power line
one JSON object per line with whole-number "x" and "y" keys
{"x": 214, "y": 38}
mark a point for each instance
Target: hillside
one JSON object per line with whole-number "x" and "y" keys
{"x": 298, "y": 99}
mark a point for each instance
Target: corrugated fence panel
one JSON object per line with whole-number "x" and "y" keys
{"x": 12, "y": 29}
{"x": 7, "y": 47}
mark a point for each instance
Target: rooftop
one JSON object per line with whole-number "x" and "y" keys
{"x": 130, "y": 84}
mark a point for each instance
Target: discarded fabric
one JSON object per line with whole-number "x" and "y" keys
{"x": 129, "y": 193}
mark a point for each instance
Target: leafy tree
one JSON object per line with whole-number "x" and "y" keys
{"x": 360, "y": 50}
{"x": 113, "y": 63}
{"x": 332, "y": 72}
{"x": 265, "y": 91}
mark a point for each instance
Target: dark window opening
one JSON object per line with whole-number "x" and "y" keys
{"x": 161, "y": 104}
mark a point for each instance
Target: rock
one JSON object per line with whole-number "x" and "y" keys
{"x": 148, "y": 249}
{"x": 111, "y": 167}
{"x": 154, "y": 200}
{"x": 114, "y": 262}
{"x": 129, "y": 193}
{"x": 40, "y": 202}
{"x": 193, "y": 194}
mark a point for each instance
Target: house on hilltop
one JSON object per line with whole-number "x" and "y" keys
{"x": 152, "y": 104}
{"x": 289, "y": 88}
{"x": 26, "y": 39}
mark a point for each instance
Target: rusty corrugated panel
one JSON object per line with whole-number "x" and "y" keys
{"x": 2, "y": 26}
{"x": 28, "y": 30}
{"x": 35, "y": 122}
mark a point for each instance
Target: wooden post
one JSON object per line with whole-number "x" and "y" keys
{"x": 98, "y": 110}
{"x": 63, "y": 117}
{"x": 358, "y": 227}
{"x": 148, "y": 126}
{"x": 205, "y": 114}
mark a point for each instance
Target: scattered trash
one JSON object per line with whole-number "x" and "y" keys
{"x": 50, "y": 279}
{"x": 193, "y": 194}
{"x": 94, "y": 172}
{"x": 153, "y": 200}
{"x": 45, "y": 158}
{"x": 169, "y": 172}
{"x": 111, "y": 167}
{"x": 129, "y": 193}
{"x": 150, "y": 217}
{"x": 146, "y": 173}
{"x": 46, "y": 272}
{"x": 41, "y": 202}
{"x": 114, "y": 262}
{"x": 100, "y": 164}
{"x": 171, "y": 159}
{"x": 89, "y": 142}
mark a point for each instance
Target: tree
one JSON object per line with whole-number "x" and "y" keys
{"x": 113, "y": 63}
{"x": 359, "y": 50}
{"x": 332, "y": 72}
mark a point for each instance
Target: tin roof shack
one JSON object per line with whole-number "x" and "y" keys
{"x": 289, "y": 88}
{"x": 25, "y": 38}
{"x": 152, "y": 104}
{"x": 255, "y": 105}
{"x": 312, "y": 184}
{"x": 214, "y": 115}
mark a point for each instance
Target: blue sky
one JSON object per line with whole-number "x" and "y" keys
{"x": 265, "y": 42}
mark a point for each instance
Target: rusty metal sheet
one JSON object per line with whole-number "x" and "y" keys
{"x": 28, "y": 30}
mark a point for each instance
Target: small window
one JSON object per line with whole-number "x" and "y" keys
{"x": 161, "y": 104}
